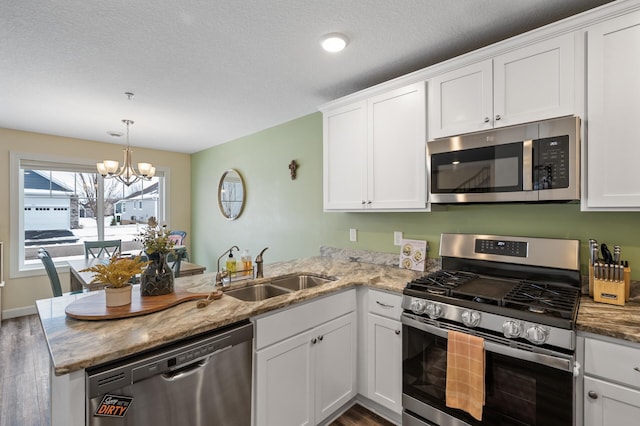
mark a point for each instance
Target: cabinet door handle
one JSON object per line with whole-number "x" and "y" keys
{"x": 637, "y": 369}
{"x": 320, "y": 338}
{"x": 313, "y": 341}
{"x": 398, "y": 332}
{"x": 486, "y": 119}
{"x": 592, "y": 395}
{"x": 364, "y": 202}
{"x": 369, "y": 202}
{"x": 498, "y": 117}
{"x": 384, "y": 305}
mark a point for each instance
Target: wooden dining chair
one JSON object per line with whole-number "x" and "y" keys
{"x": 105, "y": 248}
{"x": 43, "y": 254}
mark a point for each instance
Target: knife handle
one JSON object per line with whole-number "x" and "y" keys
{"x": 616, "y": 255}
{"x": 606, "y": 254}
{"x": 593, "y": 255}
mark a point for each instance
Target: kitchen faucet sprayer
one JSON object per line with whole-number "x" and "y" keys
{"x": 258, "y": 261}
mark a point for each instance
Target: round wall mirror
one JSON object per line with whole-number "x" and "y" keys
{"x": 231, "y": 194}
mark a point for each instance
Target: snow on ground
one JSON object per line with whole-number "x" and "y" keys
{"x": 89, "y": 231}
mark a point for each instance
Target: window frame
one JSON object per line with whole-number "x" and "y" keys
{"x": 17, "y": 267}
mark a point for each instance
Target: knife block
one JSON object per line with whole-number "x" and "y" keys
{"x": 611, "y": 292}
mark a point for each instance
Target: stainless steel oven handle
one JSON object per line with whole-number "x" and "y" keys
{"x": 543, "y": 359}
{"x": 538, "y": 358}
{"x": 424, "y": 327}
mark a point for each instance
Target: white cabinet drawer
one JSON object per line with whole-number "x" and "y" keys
{"x": 612, "y": 362}
{"x": 385, "y": 304}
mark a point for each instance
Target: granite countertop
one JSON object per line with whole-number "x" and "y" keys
{"x": 76, "y": 344}
{"x": 620, "y": 322}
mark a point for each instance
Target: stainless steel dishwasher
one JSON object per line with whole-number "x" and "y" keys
{"x": 205, "y": 380}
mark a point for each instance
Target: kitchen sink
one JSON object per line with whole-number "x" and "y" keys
{"x": 257, "y": 292}
{"x": 300, "y": 282}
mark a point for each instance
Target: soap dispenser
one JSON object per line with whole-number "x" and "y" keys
{"x": 231, "y": 263}
{"x": 246, "y": 262}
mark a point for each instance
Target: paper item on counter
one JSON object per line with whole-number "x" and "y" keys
{"x": 413, "y": 255}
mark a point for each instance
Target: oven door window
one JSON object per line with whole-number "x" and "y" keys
{"x": 516, "y": 392}
{"x": 489, "y": 169}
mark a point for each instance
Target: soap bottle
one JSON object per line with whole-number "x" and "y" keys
{"x": 246, "y": 262}
{"x": 231, "y": 264}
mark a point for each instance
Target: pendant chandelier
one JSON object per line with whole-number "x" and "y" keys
{"x": 126, "y": 174}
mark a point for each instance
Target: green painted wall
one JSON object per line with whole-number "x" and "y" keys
{"x": 286, "y": 215}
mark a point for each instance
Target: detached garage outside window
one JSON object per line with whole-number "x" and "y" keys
{"x": 58, "y": 205}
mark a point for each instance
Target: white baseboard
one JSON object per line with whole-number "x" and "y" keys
{"x": 19, "y": 312}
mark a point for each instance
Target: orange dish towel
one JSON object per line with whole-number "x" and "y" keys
{"x": 465, "y": 373}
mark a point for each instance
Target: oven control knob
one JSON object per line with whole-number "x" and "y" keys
{"x": 537, "y": 334}
{"x": 512, "y": 329}
{"x": 418, "y": 306}
{"x": 471, "y": 318}
{"x": 434, "y": 310}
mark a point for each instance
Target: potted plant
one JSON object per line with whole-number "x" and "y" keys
{"x": 158, "y": 278}
{"x": 117, "y": 274}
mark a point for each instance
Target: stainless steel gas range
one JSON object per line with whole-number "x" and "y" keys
{"x": 521, "y": 296}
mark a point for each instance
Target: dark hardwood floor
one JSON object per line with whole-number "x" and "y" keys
{"x": 24, "y": 379}
{"x": 360, "y": 416}
{"x": 24, "y": 373}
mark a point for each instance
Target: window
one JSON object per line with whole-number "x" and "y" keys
{"x": 59, "y": 205}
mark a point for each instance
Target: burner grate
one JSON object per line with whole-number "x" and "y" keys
{"x": 537, "y": 297}
{"x": 442, "y": 282}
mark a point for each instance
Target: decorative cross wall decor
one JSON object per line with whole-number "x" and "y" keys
{"x": 293, "y": 166}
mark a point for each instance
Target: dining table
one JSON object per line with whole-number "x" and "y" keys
{"x": 81, "y": 281}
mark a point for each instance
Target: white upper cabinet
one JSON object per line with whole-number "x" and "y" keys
{"x": 345, "y": 147}
{"x": 374, "y": 152}
{"x": 613, "y": 109}
{"x": 530, "y": 83}
{"x": 461, "y": 101}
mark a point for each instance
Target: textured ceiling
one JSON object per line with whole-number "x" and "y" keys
{"x": 205, "y": 72}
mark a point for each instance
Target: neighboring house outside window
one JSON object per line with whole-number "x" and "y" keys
{"x": 60, "y": 205}
{"x": 143, "y": 204}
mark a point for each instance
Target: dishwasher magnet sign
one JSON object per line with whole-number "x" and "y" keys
{"x": 113, "y": 406}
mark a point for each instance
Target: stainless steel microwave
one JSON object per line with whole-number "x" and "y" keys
{"x": 525, "y": 163}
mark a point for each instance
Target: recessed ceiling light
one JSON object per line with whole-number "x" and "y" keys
{"x": 334, "y": 42}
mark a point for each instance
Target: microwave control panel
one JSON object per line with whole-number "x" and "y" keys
{"x": 551, "y": 163}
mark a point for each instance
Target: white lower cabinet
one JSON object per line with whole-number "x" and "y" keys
{"x": 284, "y": 383}
{"x": 306, "y": 377}
{"x": 384, "y": 350}
{"x": 608, "y": 404}
{"x": 335, "y": 365}
{"x": 611, "y": 383}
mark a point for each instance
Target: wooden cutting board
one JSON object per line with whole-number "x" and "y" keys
{"x": 94, "y": 307}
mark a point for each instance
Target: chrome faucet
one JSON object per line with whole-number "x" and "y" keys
{"x": 259, "y": 271}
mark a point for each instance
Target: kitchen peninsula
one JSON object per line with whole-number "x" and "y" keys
{"x": 75, "y": 345}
